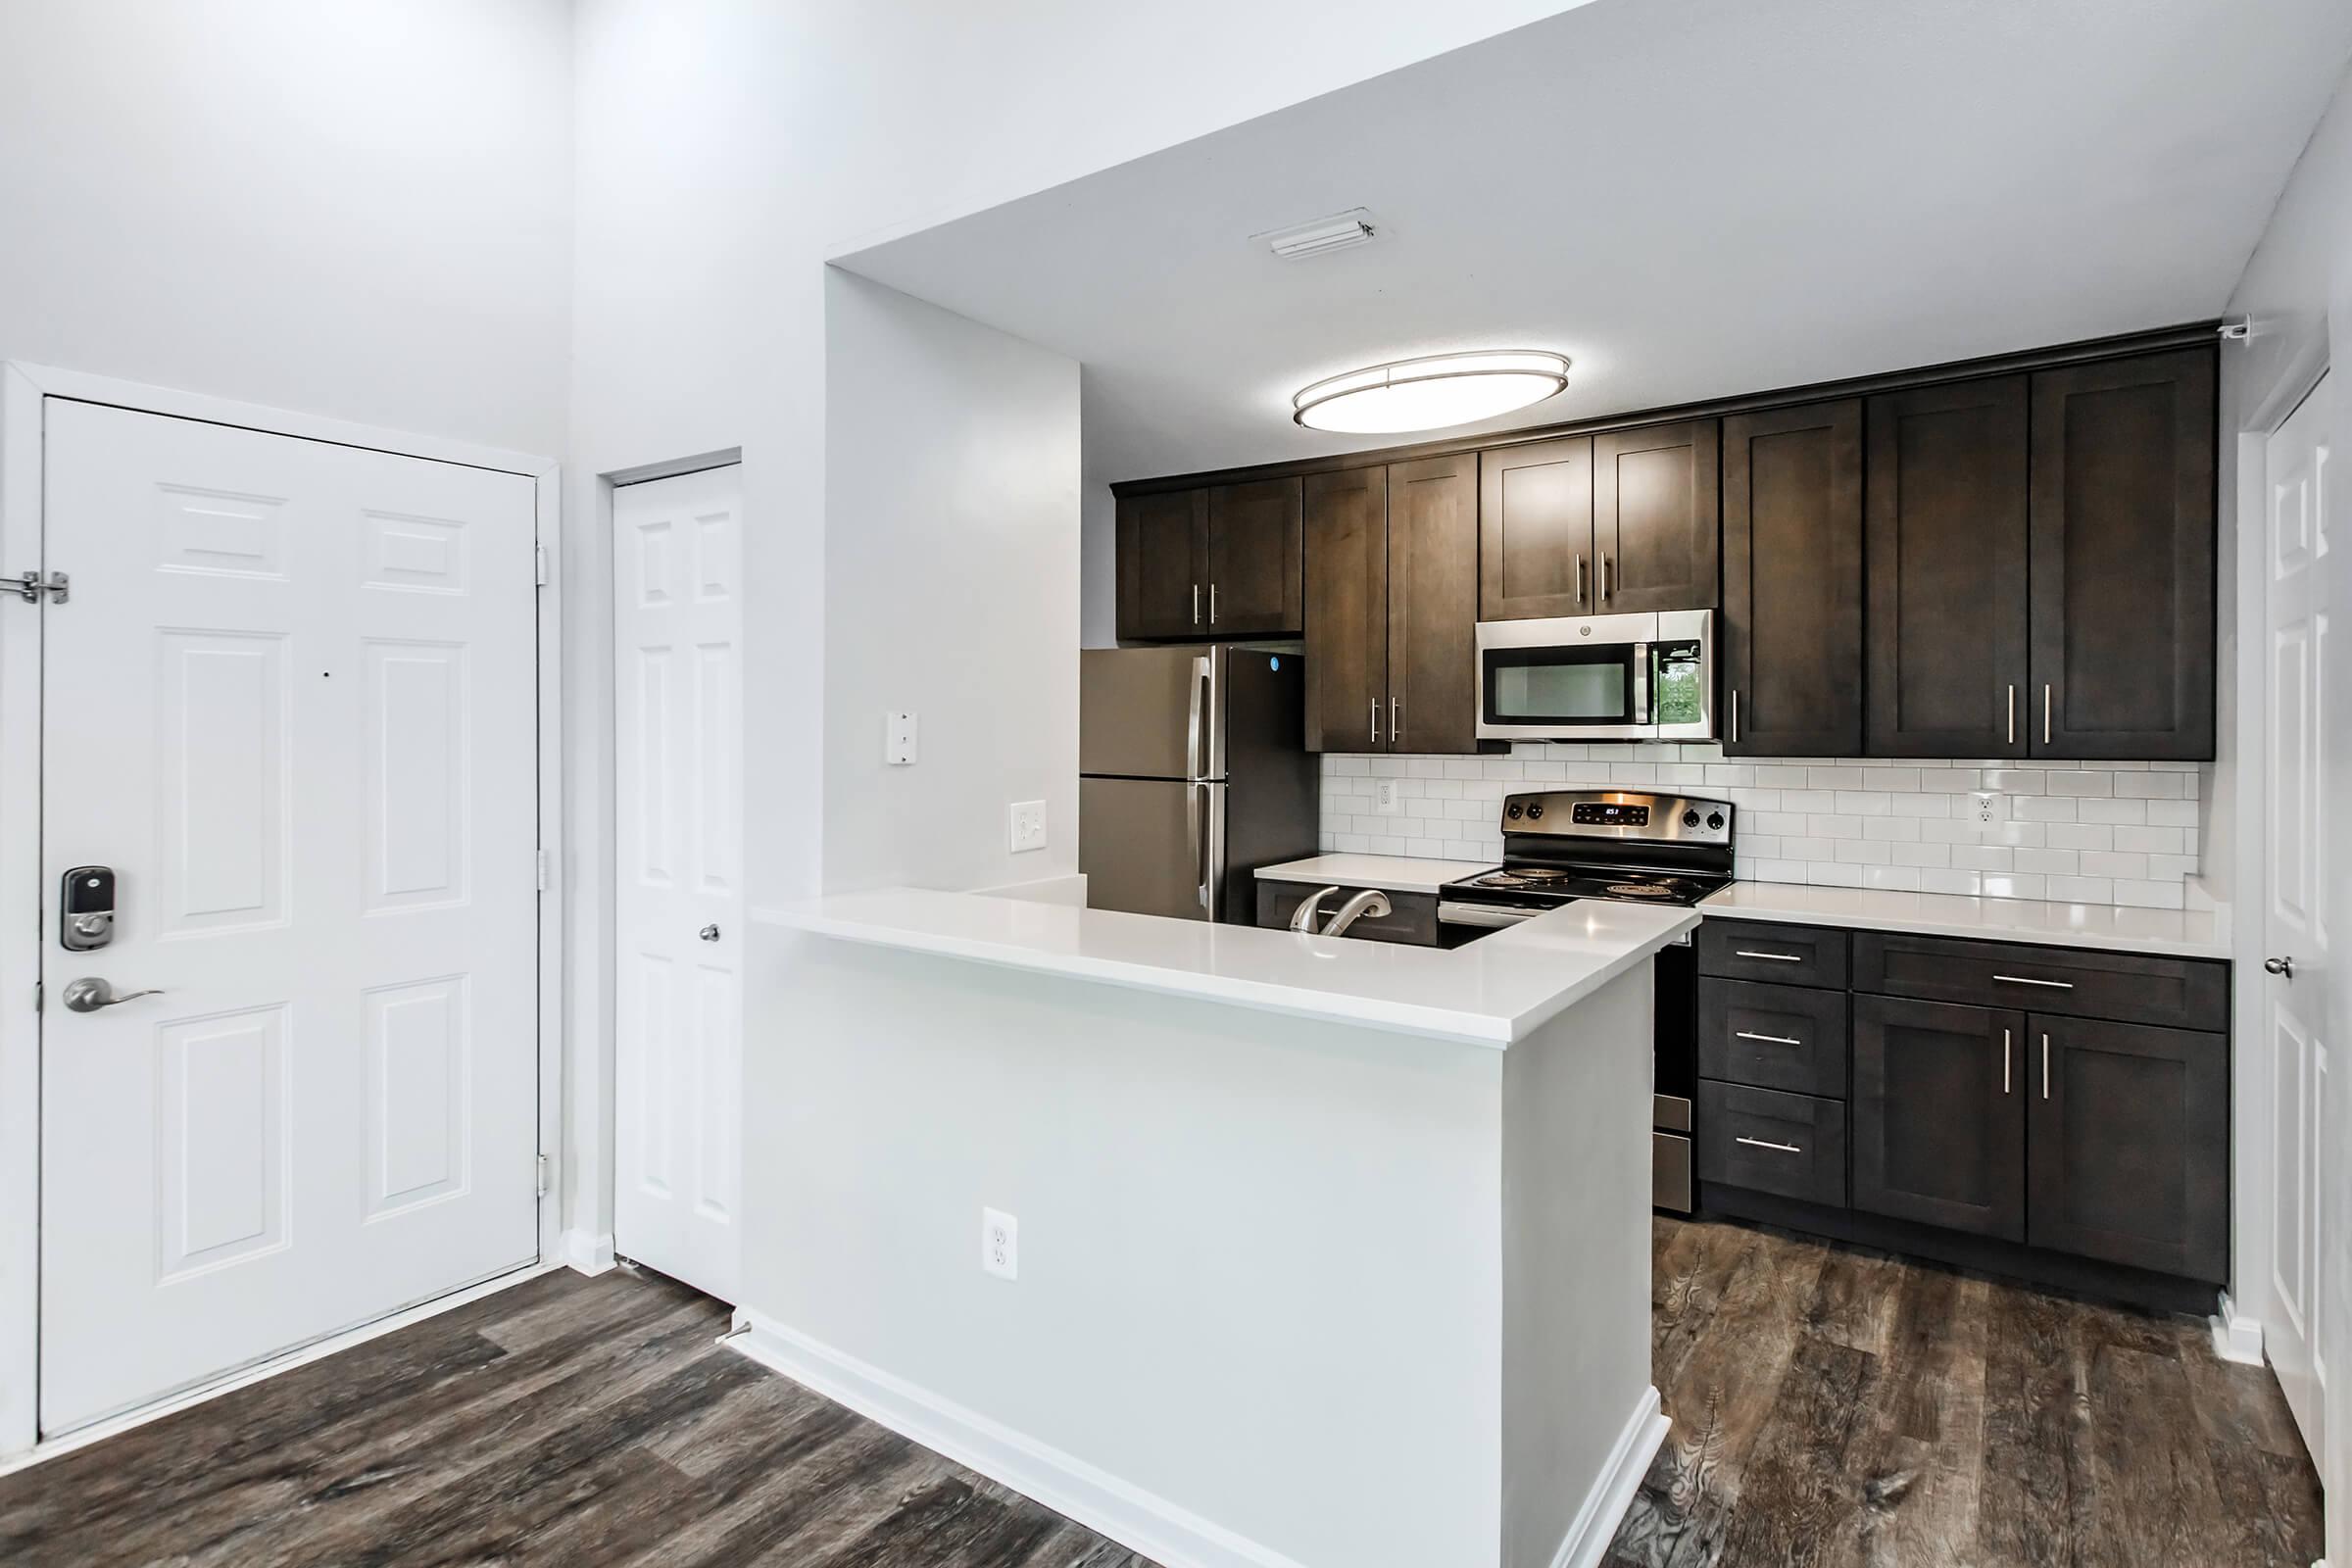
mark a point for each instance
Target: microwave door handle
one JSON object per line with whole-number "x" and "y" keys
{"x": 1642, "y": 715}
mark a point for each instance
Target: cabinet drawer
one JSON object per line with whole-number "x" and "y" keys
{"x": 1781, "y": 954}
{"x": 1773, "y": 1036}
{"x": 1412, "y": 917}
{"x": 1769, "y": 1142}
{"x": 2132, "y": 988}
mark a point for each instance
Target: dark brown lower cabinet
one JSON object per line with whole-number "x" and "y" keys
{"x": 2127, "y": 1131}
{"x": 1939, "y": 1114}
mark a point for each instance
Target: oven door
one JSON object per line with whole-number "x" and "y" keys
{"x": 1565, "y": 679}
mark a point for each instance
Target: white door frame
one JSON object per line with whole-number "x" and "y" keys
{"x": 24, "y": 388}
{"x": 2239, "y": 1329}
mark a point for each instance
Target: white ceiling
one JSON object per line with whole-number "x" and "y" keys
{"x": 1691, "y": 198}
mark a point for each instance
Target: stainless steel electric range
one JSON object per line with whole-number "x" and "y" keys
{"x": 1560, "y": 846}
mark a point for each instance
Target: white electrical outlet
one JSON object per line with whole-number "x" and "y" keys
{"x": 1985, "y": 809}
{"x": 1383, "y": 796}
{"x": 898, "y": 739}
{"x": 1027, "y": 828}
{"x": 1000, "y": 1244}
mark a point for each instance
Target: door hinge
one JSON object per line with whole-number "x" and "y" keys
{"x": 539, "y": 564}
{"x": 543, "y": 1176}
{"x": 38, "y": 996}
{"x": 539, "y": 867}
{"x": 30, "y": 585}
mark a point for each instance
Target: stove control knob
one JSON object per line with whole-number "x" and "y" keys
{"x": 1715, "y": 821}
{"x": 1690, "y": 819}
{"x": 1512, "y": 811}
{"x": 1535, "y": 808}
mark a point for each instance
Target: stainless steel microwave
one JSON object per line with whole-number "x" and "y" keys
{"x": 1599, "y": 677}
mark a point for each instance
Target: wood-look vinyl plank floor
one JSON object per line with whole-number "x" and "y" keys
{"x": 1831, "y": 1406}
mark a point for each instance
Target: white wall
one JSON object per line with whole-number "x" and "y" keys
{"x": 725, "y": 149}
{"x": 951, "y": 581}
{"x": 361, "y": 210}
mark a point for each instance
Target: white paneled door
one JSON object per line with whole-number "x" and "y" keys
{"x": 2306, "y": 1130}
{"x": 291, "y": 703}
{"x": 677, "y": 614}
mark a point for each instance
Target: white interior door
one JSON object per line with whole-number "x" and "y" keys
{"x": 678, "y": 812}
{"x": 291, "y": 702}
{"x": 2295, "y": 912}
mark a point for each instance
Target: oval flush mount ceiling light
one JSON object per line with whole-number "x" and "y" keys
{"x": 1431, "y": 392}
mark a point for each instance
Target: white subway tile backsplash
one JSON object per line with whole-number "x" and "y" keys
{"x": 2091, "y": 832}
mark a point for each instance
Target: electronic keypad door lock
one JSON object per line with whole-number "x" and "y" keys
{"x": 86, "y": 918}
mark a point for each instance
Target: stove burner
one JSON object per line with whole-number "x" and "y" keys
{"x": 1523, "y": 877}
{"x": 1639, "y": 890}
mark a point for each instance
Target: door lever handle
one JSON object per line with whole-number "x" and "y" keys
{"x": 90, "y": 992}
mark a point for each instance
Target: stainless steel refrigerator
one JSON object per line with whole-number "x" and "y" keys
{"x": 1193, "y": 772}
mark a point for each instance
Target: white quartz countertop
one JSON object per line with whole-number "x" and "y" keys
{"x": 2179, "y": 933}
{"x": 1491, "y": 992}
{"x": 1393, "y": 873}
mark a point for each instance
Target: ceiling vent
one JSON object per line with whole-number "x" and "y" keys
{"x": 1322, "y": 237}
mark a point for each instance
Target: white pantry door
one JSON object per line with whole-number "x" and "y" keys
{"x": 2307, "y": 1138}
{"x": 677, "y": 619}
{"x": 291, "y": 702}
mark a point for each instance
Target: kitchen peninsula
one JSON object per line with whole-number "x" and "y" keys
{"x": 1296, "y": 1229}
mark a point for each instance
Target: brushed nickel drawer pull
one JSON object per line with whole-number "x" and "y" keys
{"x": 1776, "y": 957}
{"x": 1769, "y": 1039}
{"x": 2028, "y": 980}
{"x": 1760, "y": 1143}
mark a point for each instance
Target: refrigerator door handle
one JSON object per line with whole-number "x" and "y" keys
{"x": 1195, "y": 765}
{"x": 1209, "y": 720}
{"x": 1212, "y": 871}
{"x": 1193, "y": 790}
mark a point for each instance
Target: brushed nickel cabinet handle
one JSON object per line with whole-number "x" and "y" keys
{"x": 1734, "y": 715}
{"x": 2013, "y": 712}
{"x": 2045, "y": 713}
{"x": 1375, "y": 722}
{"x": 1212, "y": 603}
{"x": 2046, "y": 1065}
{"x": 1760, "y": 1143}
{"x": 1776, "y": 957}
{"x": 2004, "y": 1061}
{"x": 1580, "y": 579}
{"x": 1603, "y": 577}
{"x": 1397, "y": 721}
{"x": 1769, "y": 1039}
{"x": 2028, "y": 980}
{"x": 1196, "y": 604}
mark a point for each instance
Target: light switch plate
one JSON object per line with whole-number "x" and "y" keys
{"x": 898, "y": 739}
{"x": 1027, "y": 828}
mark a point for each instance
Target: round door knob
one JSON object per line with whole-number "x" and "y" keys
{"x": 2281, "y": 967}
{"x": 708, "y": 933}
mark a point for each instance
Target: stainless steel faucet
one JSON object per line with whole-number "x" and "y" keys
{"x": 1371, "y": 902}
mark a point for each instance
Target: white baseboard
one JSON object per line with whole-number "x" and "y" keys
{"x": 2237, "y": 1336}
{"x": 589, "y": 1254}
{"x": 1612, "y": 1492}
{"x": 1139, "y": 1520}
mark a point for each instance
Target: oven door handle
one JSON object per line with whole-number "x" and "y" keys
{"x": 1484, "y": 914}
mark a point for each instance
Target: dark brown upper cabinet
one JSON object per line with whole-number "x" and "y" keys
{"x": 1601, "y": 525}
{"x": 1945, "y": 529}
{"x": 1792, "y": 581}
{"x": 1163, "y": 563}
{"x": 1391, "y": 589}
{"x": 2122, "y": 529}
{"x": 1432, "y": 601}
{"x": 1221, "y": 562}
{"x": 1657, "y": 523}
{"x": 1535, "y": 524}
{"x": 1347, "y": 609}
{"x": 1254, "y": 586}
